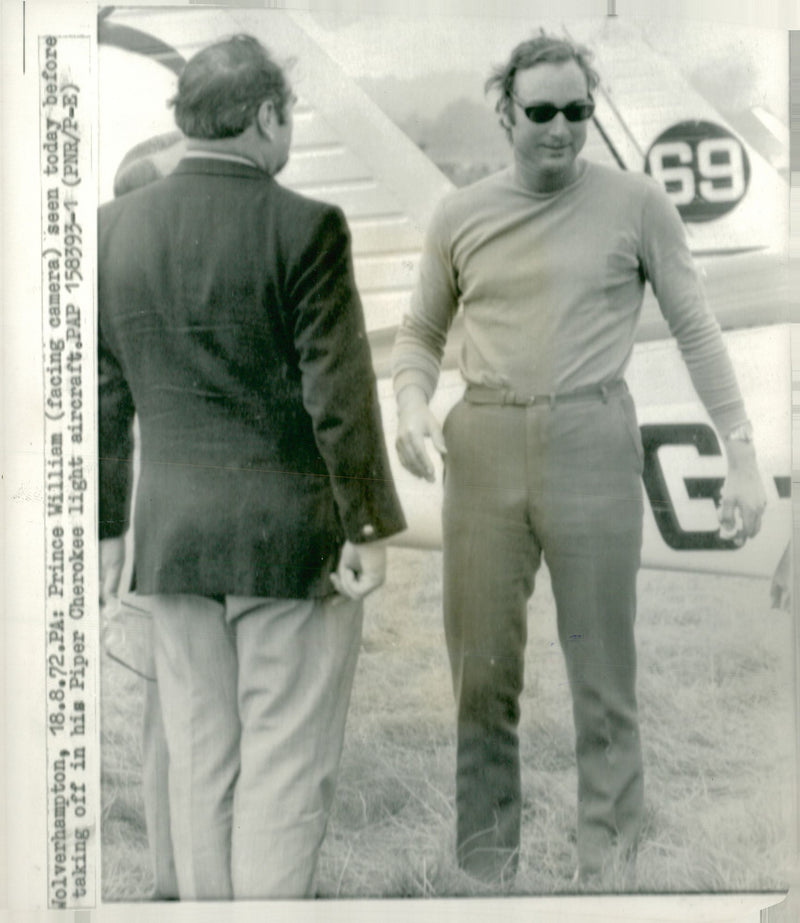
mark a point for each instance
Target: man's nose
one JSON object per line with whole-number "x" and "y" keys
{"x": 559, "y": 124}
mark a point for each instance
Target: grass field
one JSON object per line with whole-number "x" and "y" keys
{"x": 715, "y": 693}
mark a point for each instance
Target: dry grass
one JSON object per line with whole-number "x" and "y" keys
{"x": 126, "y": 871}
{"x": 715, "y": 689}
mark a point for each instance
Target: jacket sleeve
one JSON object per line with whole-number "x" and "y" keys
{"x": 338, "y": 381}
{"x": 115, "y": 444}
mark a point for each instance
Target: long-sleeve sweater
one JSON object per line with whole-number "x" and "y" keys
{"x": 552, "y": 286}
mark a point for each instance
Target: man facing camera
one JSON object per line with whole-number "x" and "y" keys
{"x": 549, "y": 260}
{"x": 231, "y": 326}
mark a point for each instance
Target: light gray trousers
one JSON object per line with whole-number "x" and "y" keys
{"x": 254, "y": 697}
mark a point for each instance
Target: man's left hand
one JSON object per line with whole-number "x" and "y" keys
{"x": 112, "y": 560}
{"x": 743, "y": 493}
{"x": 780, "y": 590}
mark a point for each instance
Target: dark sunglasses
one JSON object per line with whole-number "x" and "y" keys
{"x": 545, "y": 112}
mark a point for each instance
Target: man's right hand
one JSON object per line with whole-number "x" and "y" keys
{"x": 415, "y": 423}
{"x": 362, "y": 569}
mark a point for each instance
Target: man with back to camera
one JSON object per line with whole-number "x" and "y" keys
{"x": 230, "y": 324}
{"x": 549, "y": 259}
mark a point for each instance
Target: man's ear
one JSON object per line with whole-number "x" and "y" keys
{"x": 266, "y": 117}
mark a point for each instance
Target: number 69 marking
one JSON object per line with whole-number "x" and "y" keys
{"x": 703, "y": 168}
{"x": 715, "y": 171}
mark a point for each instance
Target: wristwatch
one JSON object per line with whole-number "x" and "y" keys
{"x": 741, "y": 433}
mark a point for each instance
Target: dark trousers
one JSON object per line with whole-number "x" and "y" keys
{"x": 563, "y": 480}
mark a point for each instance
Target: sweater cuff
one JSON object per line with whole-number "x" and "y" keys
{"x": 728, "y": 418}
{"x": 410, "y": 376}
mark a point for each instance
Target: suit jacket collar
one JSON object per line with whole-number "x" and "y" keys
{"x": 217, "y": 167}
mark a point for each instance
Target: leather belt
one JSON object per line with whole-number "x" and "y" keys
{"x": 480, "y": 394}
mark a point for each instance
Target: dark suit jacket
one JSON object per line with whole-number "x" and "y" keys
{"x": 231, "y": 326}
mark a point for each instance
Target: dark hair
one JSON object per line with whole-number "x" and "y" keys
{"x": 542, "y": 49}
{"x": 222, "y": 86}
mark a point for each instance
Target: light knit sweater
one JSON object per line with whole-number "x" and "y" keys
{"x": 552, "y": 288}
